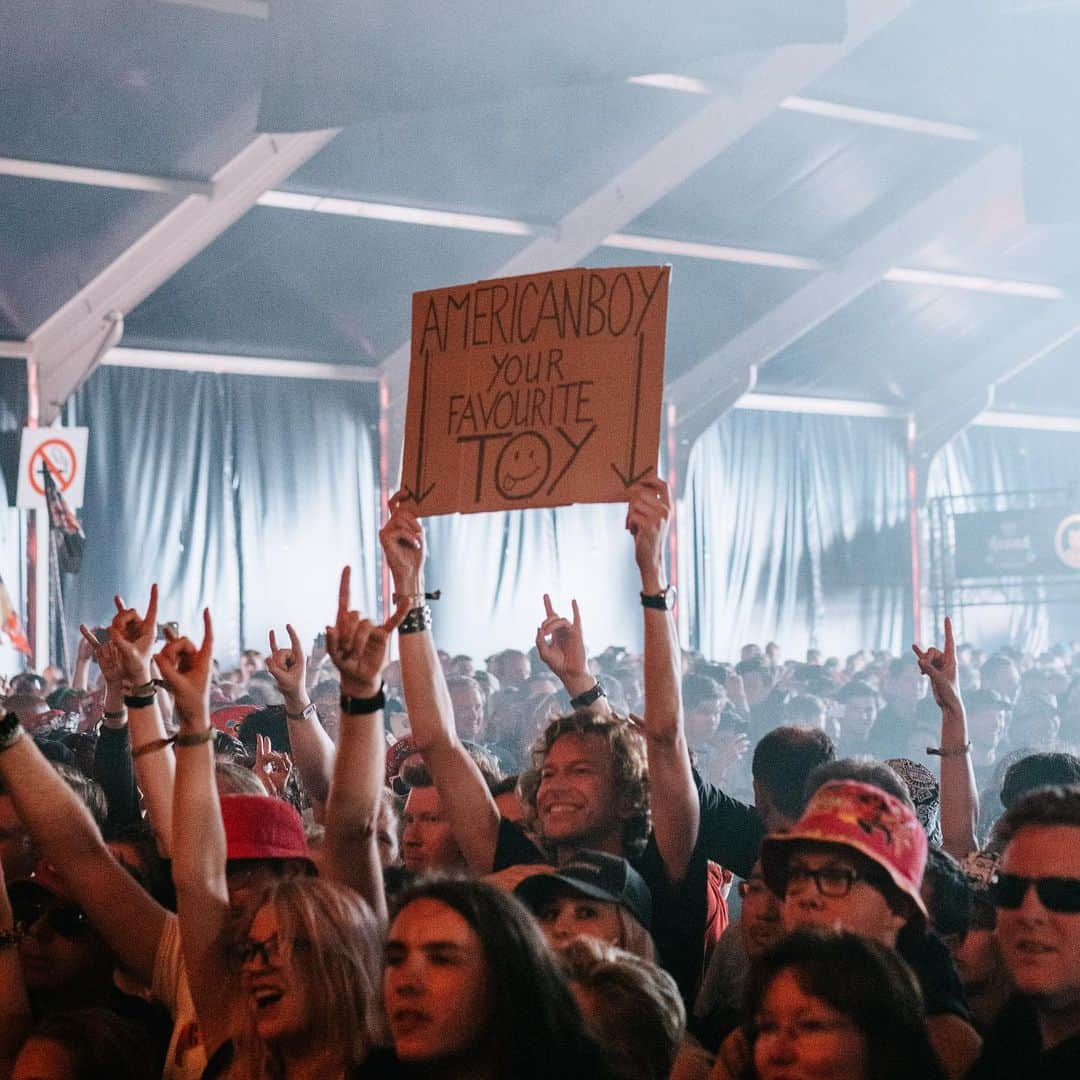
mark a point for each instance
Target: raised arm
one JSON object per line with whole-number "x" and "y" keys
{"x": 473, "y": 815}
{"x": 676, "y": 811}
{"x": 311, "y": 748}
{"x": 561, "y": 645}
{"x": 199, "y": 848}
{"x": 15, "y": 1018}
{"x": 959, "y": 794}
{"x": 132, "y": 636}
{"x": 360, "y": 650}
{"x": 64, "y": 830}
{"x": 113, "y": 767}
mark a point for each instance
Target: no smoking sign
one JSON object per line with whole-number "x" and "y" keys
{"x": 60, "y": 450}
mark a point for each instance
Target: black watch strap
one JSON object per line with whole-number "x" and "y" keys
{"x": 359, "y": 706}
{"x": 584, "y": 700}
{"x": 661, "y": 601}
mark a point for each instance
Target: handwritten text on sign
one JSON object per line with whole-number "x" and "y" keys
{"x": 535, "y": 391}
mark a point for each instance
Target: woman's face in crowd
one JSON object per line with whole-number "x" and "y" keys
{"x": 275, "y": 989}
{"x": 564, "y": 918}
{"x": 802, "y": 1037}
{"x": 435, "y": 984}
{"x": 60, "y": 951}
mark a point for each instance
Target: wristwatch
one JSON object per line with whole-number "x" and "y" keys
{"x": 661, "y": 601}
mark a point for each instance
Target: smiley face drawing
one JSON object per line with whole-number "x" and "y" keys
{"x": 523, "y": 466}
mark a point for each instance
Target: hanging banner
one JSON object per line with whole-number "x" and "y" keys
{"x": 1017, "y": 543}
{"x": 541, "y": 390}
{"x": 60, "y": 450}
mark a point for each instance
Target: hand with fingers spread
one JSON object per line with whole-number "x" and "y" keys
{"x": 402, "y": 539}
{"x": 940, "y": 667}
{"x": 134, "y": 636}
{"x": 289, "y": 668}
{"x": 359, "y": 647}
{"x": 186, "y": 671}
{"x": 272, "y": 767}
{"x": 647, "y": 519}
{"x": 561, "y": 645}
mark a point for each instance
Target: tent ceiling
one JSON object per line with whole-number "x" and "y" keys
{"x": 170, "y": 89}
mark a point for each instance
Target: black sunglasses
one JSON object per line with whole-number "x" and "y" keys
{"x": 1055, "y": 893}
{"x": 64, "y": 919}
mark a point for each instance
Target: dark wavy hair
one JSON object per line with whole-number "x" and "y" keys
{"x": 535, "y": 1024}
{"x": 628, "y": 766}
{"x": 101, "y": 1043}
{"x": 866, "y": 982}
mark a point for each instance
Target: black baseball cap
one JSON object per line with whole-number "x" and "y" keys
{"x": 594, "y": 874}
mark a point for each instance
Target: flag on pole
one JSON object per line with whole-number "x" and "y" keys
{"x": 64, "y": 523}
{"x": 10, "y": 627}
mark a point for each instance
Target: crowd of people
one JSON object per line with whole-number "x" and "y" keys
{"x": 327, "y": 863}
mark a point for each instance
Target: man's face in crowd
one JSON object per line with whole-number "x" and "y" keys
{"x": 576, "y": 801}
{"x": 514, "y": 669}
{"x": 759, "y": 923}
{"x": 986, "y": 725}
{"x": 859, "y": 716}
{"x": 468, "y": 705}
{"x": 757, "y": 686}
{"x": 1040, "y": 947}
{"x": 427, "y": 840}
{"x": 861, "y": 909}
{"x": 905, "y": 688}
{"x": 1035, "y": 727}
{"x": 1002, "y": 677}
{"x": 702, "y": 721}
{"x": 16, "y": 849}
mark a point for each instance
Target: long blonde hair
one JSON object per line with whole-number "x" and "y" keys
{"x": 341, "y": 961}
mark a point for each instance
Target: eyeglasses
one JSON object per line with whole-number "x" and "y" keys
{"x": 267, "y": 951}
{"x": 1058, "y": 894}
{"x": 64, "y": 919}
{"x": 834, "y": 882}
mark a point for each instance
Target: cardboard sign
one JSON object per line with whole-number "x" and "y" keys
{"x": 541, "y": 390}
{"x": 60, "y": 450}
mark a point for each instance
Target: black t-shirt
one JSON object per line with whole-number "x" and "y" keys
{"x": 679, "y": 910}
{"x": 731, "y": 831}
{"x": 929, "y": 957}
{"x": 1013, "y": 1047}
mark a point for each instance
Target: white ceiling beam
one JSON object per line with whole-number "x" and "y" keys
{"x": 107, "y": 178}
{"x": 15, "y": 350}
{"x": 966, "y": 394}
{"x": 215, "y": 363}
{"x": 721, "y": 122}
{"x": 713, "y": 385}
{"x": 67, "y": 344}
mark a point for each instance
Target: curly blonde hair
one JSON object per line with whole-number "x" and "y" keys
{"x": 628, "y": 767}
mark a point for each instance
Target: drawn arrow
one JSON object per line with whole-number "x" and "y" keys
{"x": 418, "y": 493}
{"x": 629, "y": 478}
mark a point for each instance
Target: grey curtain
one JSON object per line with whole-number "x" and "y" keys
{"x": 242, "y": 493}
{"x": 494, "y": 569}
{"x": 794, "y": 529}
{"x": 983, "y": 460}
